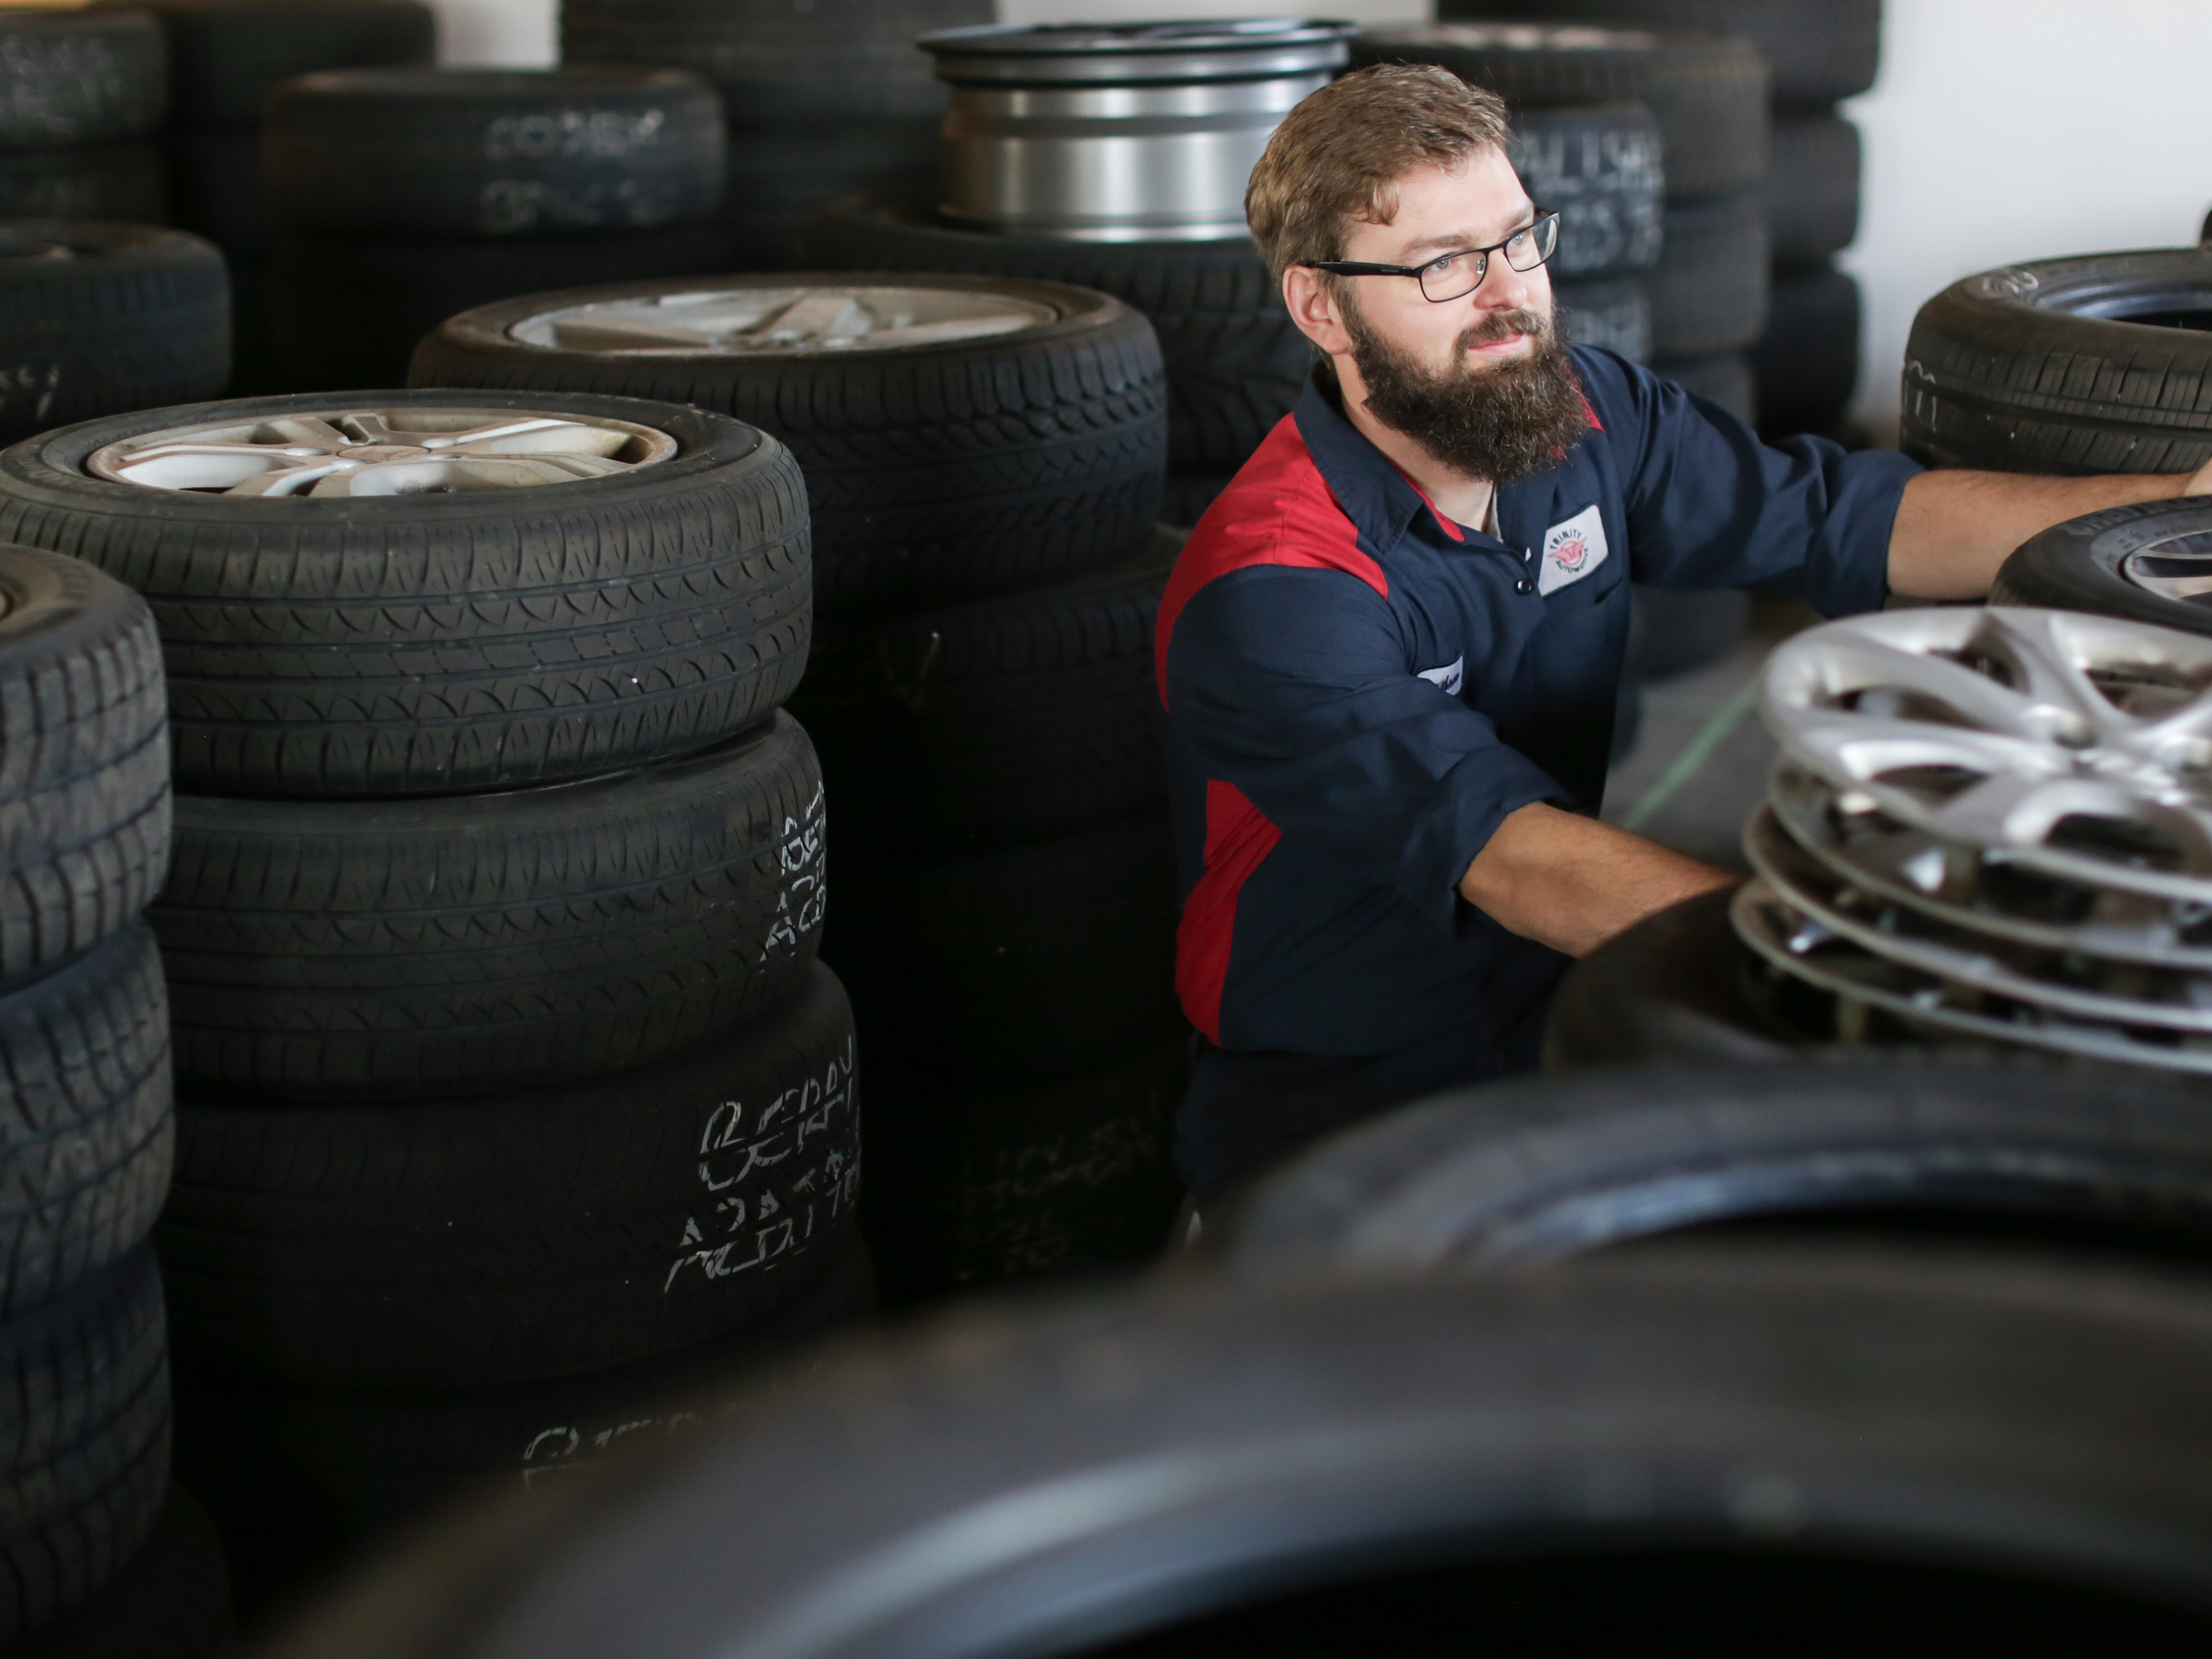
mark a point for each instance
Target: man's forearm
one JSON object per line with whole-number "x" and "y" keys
{"x": 1572, "y": 883}
{"x": 1954, "y": 529}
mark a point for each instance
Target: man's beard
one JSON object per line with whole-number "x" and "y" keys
{"x": 1501, "y": 423}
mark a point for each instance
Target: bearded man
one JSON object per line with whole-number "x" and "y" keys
{"x": 1390, "y": 651}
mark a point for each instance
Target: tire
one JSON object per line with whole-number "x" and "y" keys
{"x": 1002, "y": 970}
{"x": 84, "y": 765}
{"x": 2072, "y": 367}
{"x": 94, "y": 77}
{"x": 125, "y": 183}
{"x": 1615, "y": 315}
{"x": 1076, "y": 1178}
{"x": 1540, "y": 1172}
{"x": 1598, "y": 167}
{"x": 2007, "y": 1449}
{"x": 84, "y": 1442}
{"x": 1234, "y": 360}
{"x": 409, "y": 1247}
{"x": 225, "y": 56}
{"x": 86, "y": 1132}
{"x": 1726, "y": 379}
{"x": 326, "y": 340}
{"x": 1807, "y": 364}
{"x": 1709, "y": 291}
{"x": 1708, "y": 94}
{"x": 777, "y": 178}
{"x": 215, "y": 182}
{"x": 936, "y": 472}
{"x": 2095, "y": 563}
{"x": 777, "y": 62}
{"x": 380, "y": 951}
{"x": 171, "y": 1601}
{"x": 1187, "y": 495}
{"x": 1811, "y": 196}
{"x": 1000, "y": 721}
{"x": 435, "y": 643}
{"x": 1670, "y": 634}
{"x": 135, "y": 318}
{"x": 1820, "y": 52}
{"x": 492, "y": 152}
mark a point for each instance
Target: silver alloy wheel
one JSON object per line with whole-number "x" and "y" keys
{"x": 2075, "y": 746}
{"x": 349, "y": 453}
{"x": 2179, "y": 568}
{"x": 805, "y": 317}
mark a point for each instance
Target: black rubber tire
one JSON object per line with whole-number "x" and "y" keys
{"x": 1708, "y": 94}
{"x": 215, "y": 189}
{"x": 1018, "y": 966}
{"x": 1234, "y": 360}
{"x": 2082, "y": 565}
{"x": 776, "y": 61}
{"x": 1000, "y": 720}
{"x": 326, "y": 340}
{"x": 1596, "y": 165}
{"x": 225, "y": 56}
{"x": 171, "y": 1601}
{"x": 1820, "y": 52}
{"x": 1709, "y": 291}
{"x": 84, "y": 769}
{"x": 492, "y": 152}
{"x": 1811, "y": 196}
{"x": 410, "y": 1247}
{"x": 86, "y": 1132}
{"x": 435, "y": 643}
{"x": 2066, "y": 367}
{"x": 970, "y": 1190}
{"x": 135, "y": 318}
{"x": 376, "y": 951}
{"x": 777, "y": 178}
{"x": 1187, "y": 495}
{"x": 90, "y": 77}
{"x": 1727, "y": 378}
{"x": 1543, "y": 1170}
{"x": 1616, "y": 315}
{"x": 1829, "y": 1453}
{"x": 84, "y": 1442}
{"x": 1807, "y": 364}
{"x": 122, "y": 183}
{"x": 935, "y": 473}
{"x": 1670, "y": 634}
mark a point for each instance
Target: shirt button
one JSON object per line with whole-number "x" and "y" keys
{"x": 1525, "y": 586}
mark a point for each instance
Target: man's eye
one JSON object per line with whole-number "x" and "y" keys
{"x": 1520, "y": 238}
{"x": 1446, "y": 263}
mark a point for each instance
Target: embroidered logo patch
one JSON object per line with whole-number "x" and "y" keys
{"x": 1451, "y": 676}
{"x": 1572, "y": 550}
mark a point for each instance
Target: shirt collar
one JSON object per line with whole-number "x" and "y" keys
{"x": 1382, "y": 503}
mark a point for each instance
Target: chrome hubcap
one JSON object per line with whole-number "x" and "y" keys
{"x": 761, "y": 321}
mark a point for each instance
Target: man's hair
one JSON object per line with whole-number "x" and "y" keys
{"x": 1336, "y": 155}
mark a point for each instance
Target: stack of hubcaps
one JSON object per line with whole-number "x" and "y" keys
{"x": 1994, "y": 824}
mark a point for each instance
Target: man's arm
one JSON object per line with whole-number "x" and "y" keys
{"x": 1954, "y": 529}
{"x": 1572, "y": 883}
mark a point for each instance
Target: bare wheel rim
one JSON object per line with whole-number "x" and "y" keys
{"x": 352, "y": 453}
{"x": 2076, "y": 745}
{"x": 2179, "y": 569}
{"x": 781, "y": 321}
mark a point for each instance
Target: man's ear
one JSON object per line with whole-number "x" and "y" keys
{"x": 1313, "y": 306}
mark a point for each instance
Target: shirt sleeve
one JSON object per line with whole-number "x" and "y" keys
{"x": 1709, "y": 506}
{"x": 1291, "y": 685}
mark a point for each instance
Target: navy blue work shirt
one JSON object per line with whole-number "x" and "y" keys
{"x": 1358, "y": 690}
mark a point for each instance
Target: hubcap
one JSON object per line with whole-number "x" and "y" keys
{"x": 759, "y": 321}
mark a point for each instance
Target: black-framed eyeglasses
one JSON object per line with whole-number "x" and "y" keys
{"x": 1455, "y": 276}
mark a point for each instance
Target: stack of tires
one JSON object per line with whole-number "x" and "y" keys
{"x": 225, "y": 56}
{"x": 983, "y": 456}
{"x": 100, "y": 1555}
{"x": 83, "y": 96}
{"x": 407, "y": 195}
{"x": 515, "y": 1105}
{"x": 823, "y": 100}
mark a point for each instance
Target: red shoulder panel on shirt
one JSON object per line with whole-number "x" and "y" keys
{"x": 1277, "y": 510}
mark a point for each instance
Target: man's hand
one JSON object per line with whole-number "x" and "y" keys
{"x": 1954, "y": 529}
{"x": 1572, "y": 883}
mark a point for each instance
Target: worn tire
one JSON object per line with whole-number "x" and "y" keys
{"x": 1709, "y": 288}
{"x": 1596, "y": 165}
{"x": 1234, "y": 360}
{"x": 1726, "y": 378}
{"x": 936, "y": 472}
{"x": 118, "y": 183}
{"x": 93, "y": 77}
{"x": 2090, "y": 564}
{"x": 433, "y": 643}
{"x": 225, "y": 56}
{"x": 171, "y": 1601}
{"x": 1707, "y": 93}
{"x": 1807, "y": 363}
{"x": 1616, "y": 315}
{"x": 1669, "y": 989}
{"x": 1811, "y": 196}
{"x": 999, "y": 720}
{"x": 1820, "y": 52}
{"x": 2099, "y": 364}
{"x": 480, "y": 154}
{"x": 376, "y": 951}
{"x": 136, "y": 317}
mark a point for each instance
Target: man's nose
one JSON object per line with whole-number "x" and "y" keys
{"x": 1504, "y": 288}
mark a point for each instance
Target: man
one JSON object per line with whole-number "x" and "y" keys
{"x": 1389, "y": 654}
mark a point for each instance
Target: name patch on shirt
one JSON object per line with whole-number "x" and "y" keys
{"x": 1451, "y": 676}
{"x": 1572, "y": 550}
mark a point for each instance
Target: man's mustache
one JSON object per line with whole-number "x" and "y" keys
{"x": 1504, "y": 326}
